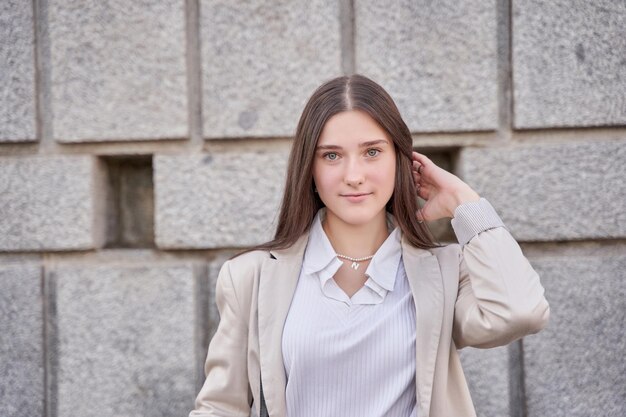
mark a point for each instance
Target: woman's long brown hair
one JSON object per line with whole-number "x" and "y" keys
{"x": 300, "y": 203}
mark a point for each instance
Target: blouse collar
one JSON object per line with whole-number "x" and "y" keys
{"x": 321, "y": 259}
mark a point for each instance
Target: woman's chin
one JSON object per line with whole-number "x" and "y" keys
{"x": 358, "y": 216}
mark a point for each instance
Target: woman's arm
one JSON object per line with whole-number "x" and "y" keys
{"x": 226, "y": 391}
{"x": 500, "y": 297}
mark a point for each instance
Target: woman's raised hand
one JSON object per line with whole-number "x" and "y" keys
{"x": 443, "y": 191}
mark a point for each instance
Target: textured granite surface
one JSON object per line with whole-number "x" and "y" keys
{"x": 556, "y": 191}
{"x": 21, "y": 340}
{"x": 437, "y": 59}
{"x": 575, "y": 367}
{"x": 122, "y": 339}
{"x": 569, "y": 63}
{"x": 218, "y": 200}
{"x": 50, "y": 203}
{"x": 118, "y": 70}
{"x": 17, "y": 72}
{"x": 260, "y": 64}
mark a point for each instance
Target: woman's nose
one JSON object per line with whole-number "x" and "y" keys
{"x": 354, "y": 174}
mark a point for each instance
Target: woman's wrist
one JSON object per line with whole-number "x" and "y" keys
{"x": 461, "y": 196}
{"x": 472, "y": 218}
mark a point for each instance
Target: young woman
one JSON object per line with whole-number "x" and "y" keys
{"x": 352, "y": 309}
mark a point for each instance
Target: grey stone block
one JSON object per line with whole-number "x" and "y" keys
{"x": 437, "y": 59}
{"x": 118, "y": 70}
{"x": 487, "y": 374}
{"x": 122, "y": 340}
{"x": 17, "y": 72}
{"x": 21, "y": 340}
{"x": 569, "y": 66}
{"x": 555, "y": 191}
{"x": 575, "y": 367}
{"x": 261, "y": 63}
{"x": 50, "y": 203}
{"x": 218, "y": 200}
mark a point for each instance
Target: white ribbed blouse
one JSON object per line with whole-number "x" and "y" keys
{"x": 350, "y": 356}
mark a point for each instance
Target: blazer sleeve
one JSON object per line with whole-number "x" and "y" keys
{"x": 226, "y": 391}
{"x": 500, "y": 297}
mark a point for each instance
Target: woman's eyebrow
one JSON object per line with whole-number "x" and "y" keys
{"x": 361, "y": 145}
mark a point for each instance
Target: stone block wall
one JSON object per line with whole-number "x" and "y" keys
{"x": 143, "y": 143}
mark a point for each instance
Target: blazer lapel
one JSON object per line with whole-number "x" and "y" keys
{"x": 277, "y": 284}
{"x": 426, "y": 282}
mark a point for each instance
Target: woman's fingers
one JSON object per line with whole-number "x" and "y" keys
{"x": 417, "y": 167}
{"x": 423, "y": 214}
{"x": 422, "y": 159}
{"x": 421, "y": 180}
{"x": 418, "y": 172}
{"x": 421, "y": 186}
{"x": 424, "y": 192}
{"x": 420, "y": 163}
{"x": 420, "y": 217}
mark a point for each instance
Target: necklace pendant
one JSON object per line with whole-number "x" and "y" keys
{"x": 355, "y": 265}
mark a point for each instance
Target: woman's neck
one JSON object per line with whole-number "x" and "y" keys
{"x": 356, "y": 241}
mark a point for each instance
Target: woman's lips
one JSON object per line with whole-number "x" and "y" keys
{"x": 356, "y": 198}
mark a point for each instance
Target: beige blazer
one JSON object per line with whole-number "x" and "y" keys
{"x": 483, "y": 295}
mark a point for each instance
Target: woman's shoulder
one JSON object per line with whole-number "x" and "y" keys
{"x": 242, "y": 272}
{"x": 247, "y": 262}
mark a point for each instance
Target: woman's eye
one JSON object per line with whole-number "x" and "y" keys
{"x": 372, "y": 152}
{"x": 331, "y": 156}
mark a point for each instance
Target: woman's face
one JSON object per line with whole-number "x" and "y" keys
{"x": 354, "y": 167}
